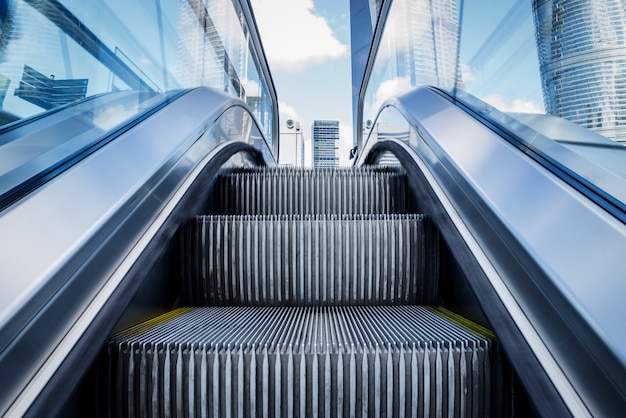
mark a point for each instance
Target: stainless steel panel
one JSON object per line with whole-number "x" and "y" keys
{"x": 66, "y": 247}
{"x": 552, "y": 255}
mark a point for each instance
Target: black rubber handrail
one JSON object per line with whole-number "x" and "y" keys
{"x": 17, "y": 192}
{"x": 595, "y": 192}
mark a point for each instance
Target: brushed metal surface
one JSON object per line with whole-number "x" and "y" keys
{"x": 83, "y": 226}
{"x": 284, "y": 190}
{"x": 309, "y": 260}
{"x": 363, "y": 361}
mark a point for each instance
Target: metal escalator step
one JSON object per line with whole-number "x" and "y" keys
{"x": 309, "y": 260}
{"x": 296, "y": 361}
{"x": 284, "y": 190}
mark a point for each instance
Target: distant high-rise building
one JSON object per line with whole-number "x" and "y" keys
{"x": 582, "y": 45}
{"x": 325, "y": 143}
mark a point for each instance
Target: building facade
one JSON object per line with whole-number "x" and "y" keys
{"x": 581, "y": 47}
{"x": 325, "y": 135}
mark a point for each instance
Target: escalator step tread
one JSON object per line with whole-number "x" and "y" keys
{"x": 303, "y": 361}
{"x": 284, "y": 190}
{"x": 309, "y": 260}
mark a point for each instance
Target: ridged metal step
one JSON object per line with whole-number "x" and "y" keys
{"x": 364, "y": 361}
{"x": 284, "y": 190}
{"x": 310, "y": 260}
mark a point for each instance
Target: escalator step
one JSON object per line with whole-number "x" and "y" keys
{"x": 309, "y": 260}
{"x": 284, "y": 190}
{"x": 298, "y": 361}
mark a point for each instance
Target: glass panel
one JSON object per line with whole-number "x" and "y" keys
{"x": 419, "y": 47}
{"x": 53, "y": 53}
{"x": 498, "y": 55}
{"x": 552, "y": 72}
{"x": 44, "y": 146}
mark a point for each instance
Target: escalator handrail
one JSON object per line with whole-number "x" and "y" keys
{"x": 544, "y": 239}
{"x": 62, "y": 243}
{"x": 610, "y": 195}
{"x": 19, "y": 183}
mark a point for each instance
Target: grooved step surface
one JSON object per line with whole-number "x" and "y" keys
{"x": 310, "y": 260}
{"x": 298, "y": 361}
{"x": 283, "y": 190}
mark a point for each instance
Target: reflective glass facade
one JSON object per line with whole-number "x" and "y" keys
{"x": 550, "y": 69}
{"x": 582, "y": 53}
{"x": 325, "y": 134}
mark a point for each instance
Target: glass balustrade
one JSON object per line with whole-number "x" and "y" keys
{"x": 546, "y": 69}
{"x": 56, "y": 52}
{"x": 72, "y": 72}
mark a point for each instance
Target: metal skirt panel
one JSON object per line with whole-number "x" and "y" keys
{"x": 404, "y": 361}
{"x": 284, "y": 190}
{"x": 310, "y": 260}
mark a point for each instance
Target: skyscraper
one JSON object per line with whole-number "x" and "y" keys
{"x": 325, "y": 143}
{"x": 582, "y": 45}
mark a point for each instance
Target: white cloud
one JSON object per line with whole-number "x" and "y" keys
{"x": 113, "y": 116}
{"x": 252, "y": 87}
{"x": 286, "y": 111}
{"x": 391, "y": 88}
{"x": 386, "y": 90}
{"x": 292, "y": 36}
{"x": 345, "y": 132}
{"x": 466, "y": 73}
{"x": 516, "y": 105}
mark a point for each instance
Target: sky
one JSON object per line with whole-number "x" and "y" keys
{"x": 307, "y": 44}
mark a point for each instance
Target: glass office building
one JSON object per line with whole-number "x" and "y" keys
{"x": 325, "y": 136}
{"x": 582, "y": 50}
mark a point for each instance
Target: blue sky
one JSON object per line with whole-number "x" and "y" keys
{"x": 308, "y": 48}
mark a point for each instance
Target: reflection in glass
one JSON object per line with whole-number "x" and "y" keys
{"x": 498, "y": 55}
{"x": 32, "y": 152}
{"x": 582, "y": 51}
{"x": 56, "y": 52}
{"x": 529, "y": 68}
{"x": 485, "y": 48}
{"x": 566, "y": 58}
{"x": 419, "y": 47}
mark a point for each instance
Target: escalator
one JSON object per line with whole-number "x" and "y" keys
{"x": 205, "y": 281}
{"x": 310, "y": 293}
{"x": 154, "y": 261}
